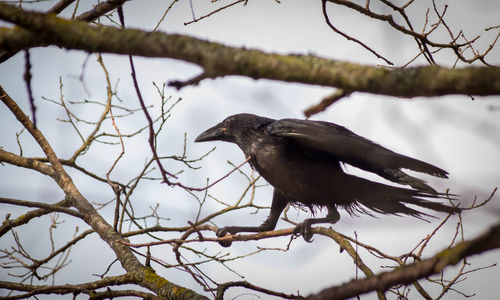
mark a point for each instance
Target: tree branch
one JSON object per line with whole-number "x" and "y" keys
{"x": 406, "y": 275}
{"x": 325, "y": 103}
{"x": 48, "y": 207}
{"x": 24, "y": 162}
{"x": 8, "y": 224}
{"x": 223, "y": 287}
{"x": 219, "y": 60}
{"x": 67, "y": 288}
{"x": 143, "y": 276}
{"x": 25, "y": 38}
{"x": 60, "y": 6}
{"x": 100, "y": 9}
{"x": 350, "y": 38}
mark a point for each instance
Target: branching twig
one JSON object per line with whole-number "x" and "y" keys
{"x": 327, "y": 19}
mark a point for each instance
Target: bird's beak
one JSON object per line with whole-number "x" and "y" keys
{"x": 216, "y": 133}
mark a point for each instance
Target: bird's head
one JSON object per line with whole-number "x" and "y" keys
{"x": 233, "y": 128}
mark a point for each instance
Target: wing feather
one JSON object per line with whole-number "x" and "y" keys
{"x": 346, "y": 146}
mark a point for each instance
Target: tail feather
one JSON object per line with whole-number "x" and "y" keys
{"x": 386, "y": 199}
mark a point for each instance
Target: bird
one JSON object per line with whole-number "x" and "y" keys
{"x": 304, "y": 161}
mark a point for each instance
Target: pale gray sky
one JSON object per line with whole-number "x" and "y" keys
{"x": 453, "y": 132}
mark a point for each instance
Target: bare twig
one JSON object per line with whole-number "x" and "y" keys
{"x": 164, "y": 15}
{"x": 325, "y": 103}
{"x": 327, "y": 19}
{"x": 59, "y": 6}
{"x": 27, "y": 80}
{"x": 213, "y": 12}
{"x": 193, "y": 81}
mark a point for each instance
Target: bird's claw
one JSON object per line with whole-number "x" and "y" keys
{"x": 221, "y": 232}
{"x": 305, "y": 230}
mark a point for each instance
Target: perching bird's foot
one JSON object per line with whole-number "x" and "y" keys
{"x": 221, "y": 232}
{"x": 305, "y": 230}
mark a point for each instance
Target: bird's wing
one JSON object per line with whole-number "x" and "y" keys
{"x": 346, "y": 146}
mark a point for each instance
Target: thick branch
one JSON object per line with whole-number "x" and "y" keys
{"x": 219, "y": 60}
{"x": 25, "y": 39}
{"x": 24, "y": 162}
{"x": 45, "y": 206}
{"x": 67, "y": 288}
{"x": 406, "y": 275}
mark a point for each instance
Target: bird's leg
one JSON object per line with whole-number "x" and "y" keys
{"x": 304, "y": 228}
{"x": 277, "y": 206}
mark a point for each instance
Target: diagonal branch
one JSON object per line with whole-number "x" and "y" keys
{"x": 325, "y": 103}
{"x": 60, "y": 6}
{"x": 100, "y": 9}
{"x": 91, "y": 217}
{"x": 143, "y": 276}
{"x": 405, "y": 275}
{"x": 214, "y": 12}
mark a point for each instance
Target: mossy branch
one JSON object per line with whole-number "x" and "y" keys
{"x": 219, "y": 60}
{"x": 407, "y": 274}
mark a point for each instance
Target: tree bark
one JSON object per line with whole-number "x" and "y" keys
{"x": 219, "y": 60}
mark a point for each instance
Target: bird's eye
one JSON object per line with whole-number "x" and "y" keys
{"x": 226, "y": 124}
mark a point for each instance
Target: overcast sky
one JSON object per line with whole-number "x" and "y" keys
{"x": 453, "y": 132}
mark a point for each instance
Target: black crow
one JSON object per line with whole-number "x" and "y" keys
{"x": 303, "y": 159}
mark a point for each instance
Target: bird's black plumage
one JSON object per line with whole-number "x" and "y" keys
{"x": 302, "y": 160}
